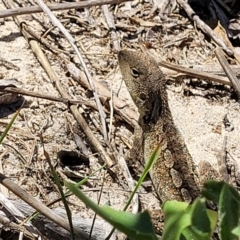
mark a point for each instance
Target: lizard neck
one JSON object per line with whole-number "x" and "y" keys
{"x": 159, "y": 111}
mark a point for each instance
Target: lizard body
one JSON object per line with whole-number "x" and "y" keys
{"x": 174, "y": 174}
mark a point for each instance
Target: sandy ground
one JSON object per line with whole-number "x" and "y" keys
{"x": 199, "y": 118}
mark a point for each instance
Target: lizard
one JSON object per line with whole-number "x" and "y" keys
{"x": 174, "y": 174}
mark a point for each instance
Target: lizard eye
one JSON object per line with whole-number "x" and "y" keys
{"x": 134, "y": 72}
{"x": 143, "y": 96}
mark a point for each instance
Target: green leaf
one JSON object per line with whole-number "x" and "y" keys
{"x": 135, "y": 226}
{"x": 152, "y": 159}
{"x": 228, "y": 212}
{"x": 236, "y": 231}
{"x": 200, "y": 220}
{"x": 211, "y": 190}
{"x": 228, "y": 202}
{"x": 4, "y": 134}
{"x": 200, "y": 227}
{"x": 176, "y": 219}
{"x": 64, "y": 200}
{"x": 183, "y": 221}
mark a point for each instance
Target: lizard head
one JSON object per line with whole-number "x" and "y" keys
{"x": 144, "y": 79}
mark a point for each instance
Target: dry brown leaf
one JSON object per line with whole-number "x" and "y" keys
{"x": 221, "y": 32}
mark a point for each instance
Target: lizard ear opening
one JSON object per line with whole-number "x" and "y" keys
{"x": 134, "y": 72}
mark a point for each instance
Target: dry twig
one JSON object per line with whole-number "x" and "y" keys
{"x": 212, "y": 68}
{"x": 205, "y": 28}
{"x": 38, "y": 95}
{"x": 228, "y": 70}
{"x": 195, "y": 73}
{"x": 39, "y": 206}
{"x": 26, "y": 228}
{"x": 112, "y": 28}
{"x": 54, "y": 7}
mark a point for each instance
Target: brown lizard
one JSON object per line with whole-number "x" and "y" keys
{"x": 174, "y": 174}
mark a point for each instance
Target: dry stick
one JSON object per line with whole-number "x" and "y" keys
{"x": 51, "y": 229}
{"x": 18, "y": 216}
{"x": 195, "y": 73}
{"x": 110, "y": 22}
{"x": 54, "y": 7}
{"x": 130, "y": 182}
{"x": 44, "y": 41}
{"x": 228, "y": 70}
{"x": 8, "y": 64}
{"x": 39, "y": 95}
{"x": 71, "y": 40}
{"x": 11, "y": 82}
{"x": 212, "y": 68}
{"x": 5, "y": 221}
{"x": 205, "y": 28}
{"x": 40, "y": 207}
